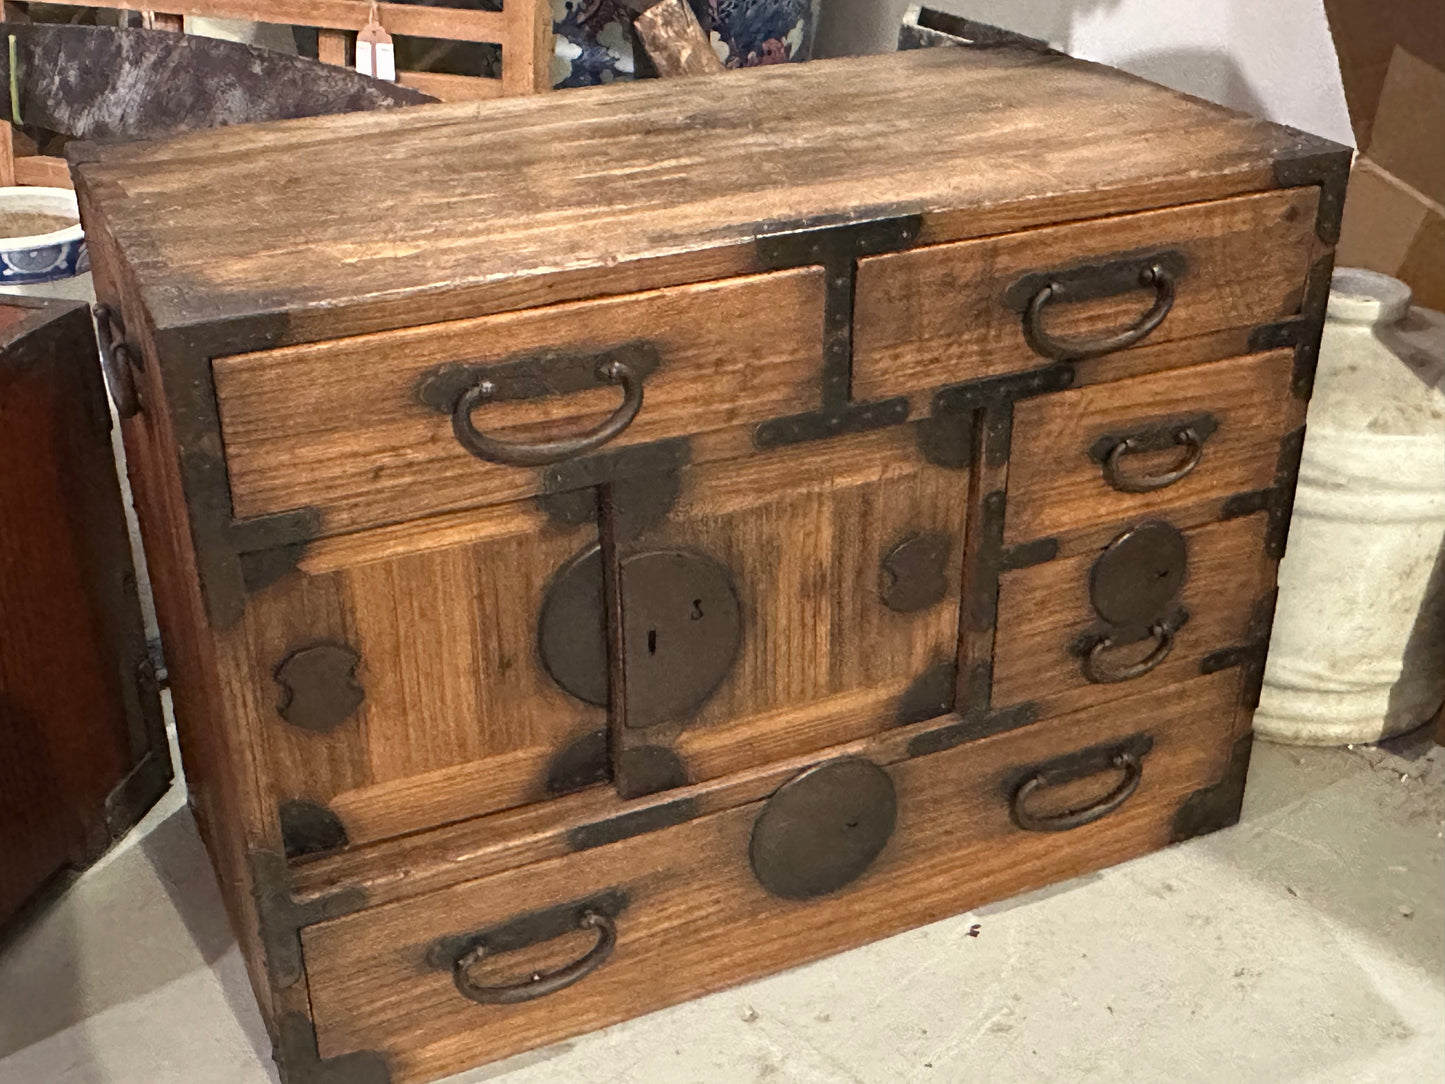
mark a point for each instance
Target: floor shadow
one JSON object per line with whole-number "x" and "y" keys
{"x": 183, "y": 869}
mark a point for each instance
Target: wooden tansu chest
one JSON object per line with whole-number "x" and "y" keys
{"x": 617, "y": 545}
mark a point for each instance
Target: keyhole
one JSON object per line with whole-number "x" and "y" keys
{"x": 652, "y": 641}
{"x": 696, "y": 614}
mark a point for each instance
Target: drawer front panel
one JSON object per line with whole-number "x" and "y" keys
{"x": 691, "y": 916}
{"x": 1215, "y": 428}
{"x": 1049, "y": 623}
{"x": 845, "y": 560}
{"x": 339, "y": 425}
{"x": 948, "y": 313}
{"x": 402, "y": 689}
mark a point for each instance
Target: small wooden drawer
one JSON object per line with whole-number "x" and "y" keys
{"x": 691, "y": 916}
{"x": 1139, "y": 614}
{"x": 947, "y": 313}
{"x": 362, "y": 429}
{"x": 1167, "y": 442}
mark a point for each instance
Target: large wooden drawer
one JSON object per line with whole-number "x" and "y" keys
{"x": 1061, "y": 648}
{"x": 691, "y": 917}
{"x": 947, "y": 313}
{"x": 345, "y": 426}
{"x": 1181, "y": 442}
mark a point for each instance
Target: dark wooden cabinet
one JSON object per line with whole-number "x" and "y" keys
{"x": 625, "y": 548}
{"x": 82, "y": 747}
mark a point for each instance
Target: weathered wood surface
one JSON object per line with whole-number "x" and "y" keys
{"x": 501, "y": 205}
{"x": 698, "y": 921}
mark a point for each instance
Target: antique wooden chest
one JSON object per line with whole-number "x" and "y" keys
{"x": 612, "y": 548}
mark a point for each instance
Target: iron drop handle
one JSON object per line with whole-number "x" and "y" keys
{"x": 543, "y": 983}
{"x": 117, "y": 362}
{"x": 1127, "y": 762}
{"x": 1052, "y": 346}
{"x": 1097, "y": 671}
{"x": 1147, "y": 483}
{"x": 517, "y": 453}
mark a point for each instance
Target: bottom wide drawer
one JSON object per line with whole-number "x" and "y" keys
{"x": 844, "y": 853}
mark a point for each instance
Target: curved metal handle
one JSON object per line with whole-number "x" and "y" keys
{"x": 1051, "y": 346}
{"x": 543, "y": 983}
{"x": 521, "y": 454}
{"x": 1147, "y": 483}
{"x": 117, "y": 361}
{"x": 1128, "y": 763}
{"x": 1096, "y": 672}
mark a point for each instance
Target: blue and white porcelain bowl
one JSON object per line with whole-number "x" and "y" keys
{"x": 53, "y": 263}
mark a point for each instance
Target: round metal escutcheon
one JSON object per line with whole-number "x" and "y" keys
{"x": 823, "y": 828}
{"x": 682, "y": 625}
{"x": 572, "y": 628}
{"x": 1133, "y": 581}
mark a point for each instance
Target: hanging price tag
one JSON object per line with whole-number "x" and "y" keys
{"x": 374, "y": 52}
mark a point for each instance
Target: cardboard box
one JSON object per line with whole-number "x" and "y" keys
{"x": 1392, "y": 64}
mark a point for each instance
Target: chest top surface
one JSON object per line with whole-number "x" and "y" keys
{"x": 330, "y": 213}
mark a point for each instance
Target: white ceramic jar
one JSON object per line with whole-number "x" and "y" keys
{"x": 52, "y": 262}
{"x": 1358, "y": 649}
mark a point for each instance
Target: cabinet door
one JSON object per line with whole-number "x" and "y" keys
{"x": 784, "y": 603}
{"x": 397, "y": 683}
{"x": 82, "y": 746}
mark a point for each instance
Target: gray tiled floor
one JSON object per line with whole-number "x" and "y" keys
{"x": 1308, "y": 944}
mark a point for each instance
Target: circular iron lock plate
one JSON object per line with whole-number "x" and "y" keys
{"x": 823, "y": 828}
{"x": 681, "y": 626}
{"x": 572, "y": 628}
{"x": 1134, "y": 580}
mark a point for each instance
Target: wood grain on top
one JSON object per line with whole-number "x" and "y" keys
{"x": 511, "y": 203}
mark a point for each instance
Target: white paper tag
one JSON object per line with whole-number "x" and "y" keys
{"x": 385, "y": 61}
{"x": 375, "y": 54}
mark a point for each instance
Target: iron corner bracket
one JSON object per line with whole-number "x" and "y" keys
{"x": 1318, "y": 161}
{"x": 310, "y": 828}
{"x": 281, "y": 918}
{"x": 236, "y": 558}
{"x": 299, "y": 1061}
{"x": 1216, "y": 806}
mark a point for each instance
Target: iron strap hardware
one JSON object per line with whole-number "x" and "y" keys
{"x": 1031, "y": 294}
{"x": 1098, "y": 672}
{"x": 540, "y": 453}
{"x": 1126, "y": 757}
{"x": 117, "y": 360}
{"x": 1115, "y": 475}
{"x": 542, "y": 983}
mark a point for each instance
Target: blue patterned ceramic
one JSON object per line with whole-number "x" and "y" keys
{"x": 595, "y": 38}
{"x": 46, "y": 257}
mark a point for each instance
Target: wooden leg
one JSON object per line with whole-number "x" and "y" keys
{"x": 162, "y": 21}
{"x": 331, "y": 46}
{"x": 527, "y": 50}
{"x": 7, "y": 154}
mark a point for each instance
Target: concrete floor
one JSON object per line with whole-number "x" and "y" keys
{"x": 1307, "y": 944}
